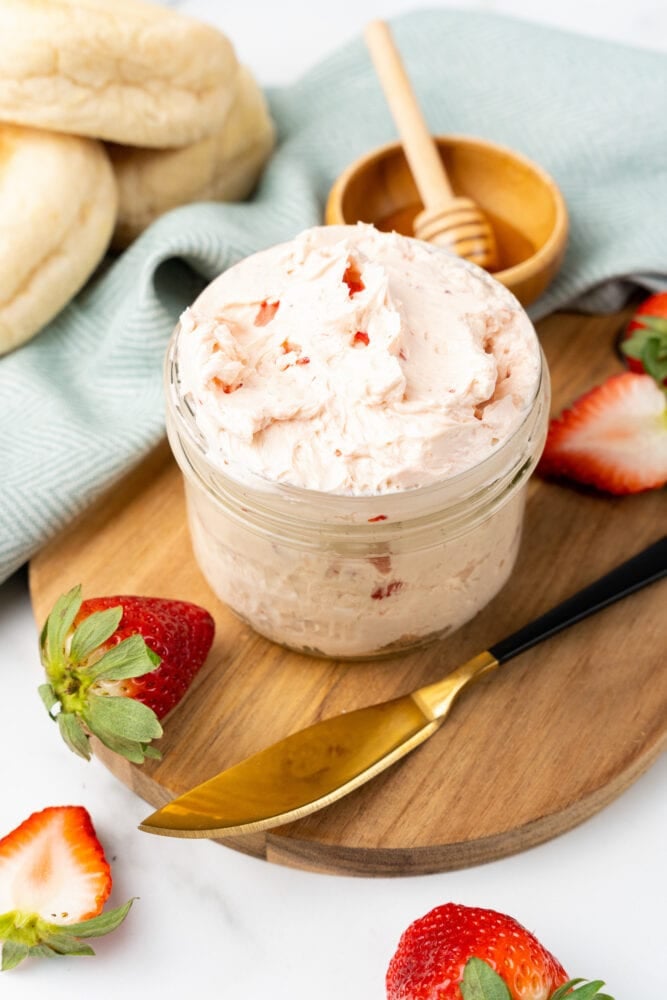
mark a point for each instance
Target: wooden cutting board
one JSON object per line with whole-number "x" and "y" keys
{"x": 526, "y": 754}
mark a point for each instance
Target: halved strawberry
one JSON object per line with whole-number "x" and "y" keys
{"x": 645, "y": 338}
{"x": 117, "y": 665}
{"x": 613, "y": 438}
{"x": 469, "y": 952}
{"x": 54, "y": 882}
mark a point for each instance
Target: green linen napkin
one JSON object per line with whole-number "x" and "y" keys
{"x": 82, "y": 402}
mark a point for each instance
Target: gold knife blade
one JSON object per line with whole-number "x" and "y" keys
{"x": 313, "y": 767}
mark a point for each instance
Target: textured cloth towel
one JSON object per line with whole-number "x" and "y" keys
{"x": 82, "y": 402}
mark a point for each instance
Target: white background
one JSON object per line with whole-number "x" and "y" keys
{"x": 212, "y": 923}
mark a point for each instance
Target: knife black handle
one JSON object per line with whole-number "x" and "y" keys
{"x": 642, "y": 569}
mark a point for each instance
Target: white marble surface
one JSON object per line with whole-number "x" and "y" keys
{"x": 210, "y": 922}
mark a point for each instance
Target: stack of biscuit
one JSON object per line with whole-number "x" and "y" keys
{"x": 111, "y": 113}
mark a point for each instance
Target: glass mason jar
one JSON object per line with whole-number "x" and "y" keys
{"x": 354, "y": 576}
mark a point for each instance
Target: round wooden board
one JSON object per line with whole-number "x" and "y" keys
{"x": 526, "y": 754}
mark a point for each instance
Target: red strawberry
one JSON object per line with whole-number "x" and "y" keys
{"x": 116, "y": 665}
{"x": 613, "y": 437}
{"x": 54, "y": 881}
{"x": 452, "y": 952}
{"x": 645, "y": 338}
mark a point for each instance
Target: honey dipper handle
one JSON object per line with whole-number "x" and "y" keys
{"x": 420, "y": 149}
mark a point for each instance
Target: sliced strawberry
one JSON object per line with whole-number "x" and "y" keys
{"x": 117, "y": 665}
{"x": 645, "y": 338}
{"x": 54, "y": 882}
{"x": 613, "y": 438}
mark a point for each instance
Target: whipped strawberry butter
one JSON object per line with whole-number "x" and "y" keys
{"x": 356, "y": 414}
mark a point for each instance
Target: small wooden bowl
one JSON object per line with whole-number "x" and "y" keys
{"x": 522, "y": 202}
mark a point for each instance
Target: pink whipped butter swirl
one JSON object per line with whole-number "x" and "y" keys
{"x": 356, "y": 362}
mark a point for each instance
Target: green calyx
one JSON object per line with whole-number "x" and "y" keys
{"x": 648, "y": 344}
{"x": 581, "y": 989}
{"x": 75, "y": 663}
{"x": 481, "y": 982}
{"x": 28, "y": 936}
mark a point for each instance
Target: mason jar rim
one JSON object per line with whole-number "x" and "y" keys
{"x": 269, "y": 497}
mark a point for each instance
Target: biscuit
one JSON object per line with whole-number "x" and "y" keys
{"x": 121, "y": 70}
{"x": 224, "y": 167}
{"x": 58, "y": 204}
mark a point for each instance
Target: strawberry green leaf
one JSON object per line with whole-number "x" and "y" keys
{"x": 648, "y": 344}
{"x": 74, "y": 734}
{"x": 49, "y": 697}
{"x": 655, "y": 324}
{"x": 654, "y": 358}
{"x": 132, "y": 750}
{"x": 122, "y": 717}
{"x": 588, "y": 991}
{"x": 58, "y": 625}
{"x": 633, "y": 347}
{"x": 130, "y": 658}
{"x": 480, "y": 982}
{"x": 13, "y": 954}
{"x": 103, "y": 924}
{"x": 41, "y": 951}
{"x": 66, "y": 944}
{"x": 7, "y": 924}
{"x": 565, "y": 989}
{"x": 92, "y": 632}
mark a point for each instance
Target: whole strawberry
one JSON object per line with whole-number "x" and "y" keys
{"x": 54, "y": 882}
{"x": 460, "y": 952}
{"x": 117, "y": 665}
{"x": 645, "y": 338}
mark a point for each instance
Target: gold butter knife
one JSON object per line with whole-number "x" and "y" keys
{"x": 316, "y": 766}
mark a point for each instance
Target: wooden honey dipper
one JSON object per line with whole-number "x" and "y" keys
{"x": 447, "y": 220}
